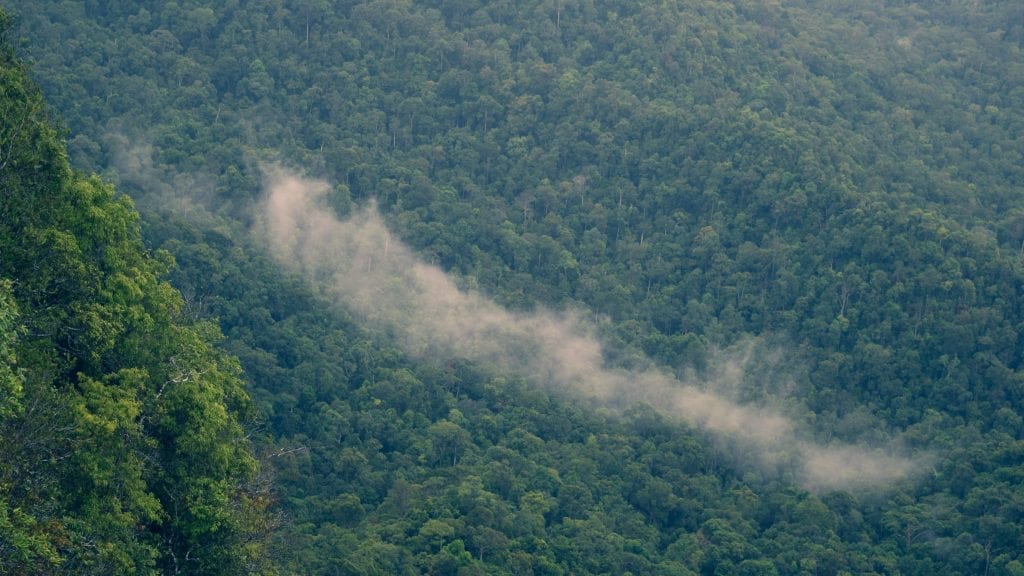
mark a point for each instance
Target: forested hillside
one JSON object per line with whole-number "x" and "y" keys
{"x": 839, "y": 183}
{"x": 121, "y": 425}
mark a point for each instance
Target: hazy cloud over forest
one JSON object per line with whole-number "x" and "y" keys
{"x": 358, "y": 264}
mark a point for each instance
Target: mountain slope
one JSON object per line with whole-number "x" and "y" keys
{"x": 840, "y": 179}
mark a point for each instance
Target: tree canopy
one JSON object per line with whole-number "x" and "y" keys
{"x": 121, "y": 423}
{"x": 841, "y": 180}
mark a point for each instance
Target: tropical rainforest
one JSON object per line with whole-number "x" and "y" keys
{"x": 815, "y": 208}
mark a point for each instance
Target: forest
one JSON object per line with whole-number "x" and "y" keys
{"x": 229, "y": 232}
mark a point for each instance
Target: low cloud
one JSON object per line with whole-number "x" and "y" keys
{"x": 361, "y": 266}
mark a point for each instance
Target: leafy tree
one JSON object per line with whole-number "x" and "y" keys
{"x": 119, "y": 420}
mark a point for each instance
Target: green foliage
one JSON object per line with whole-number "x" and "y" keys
{"x": 120, "y": 425}
{"x": 840, "y": 178}
{"x": 10, "y": 380}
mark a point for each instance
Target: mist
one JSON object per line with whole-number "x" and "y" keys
{"x": 358, "y": 264}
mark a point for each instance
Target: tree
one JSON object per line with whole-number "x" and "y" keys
{"x": 448, "y": 441}
{"x": 120, "y": 422}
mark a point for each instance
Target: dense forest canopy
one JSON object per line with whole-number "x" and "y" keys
{"x": 839, "y": 182}
{"x": 121, "y": 423}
